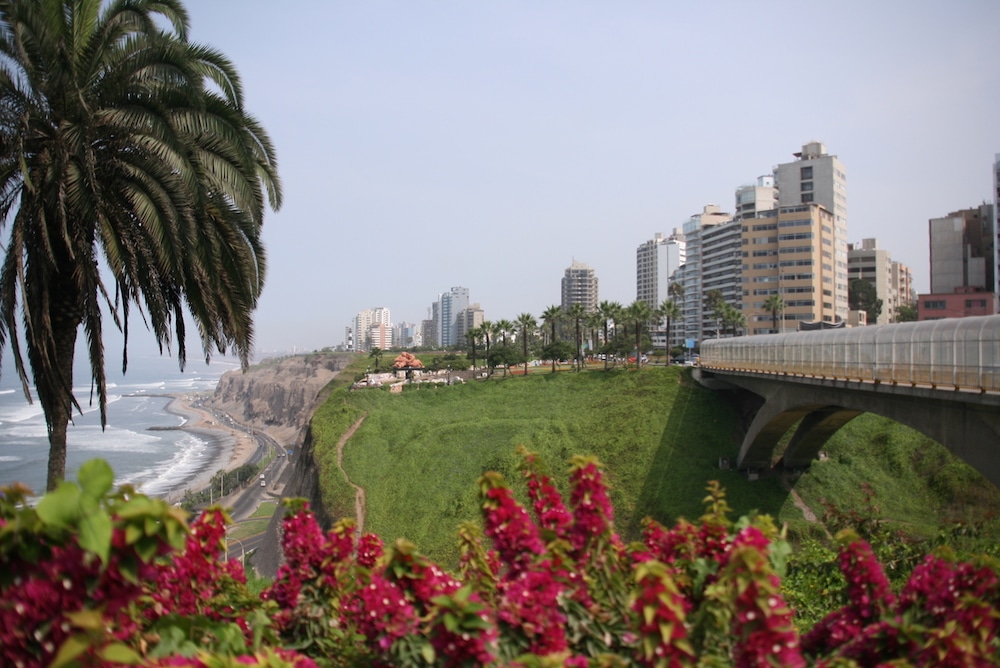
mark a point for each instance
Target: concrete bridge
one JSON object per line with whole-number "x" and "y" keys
{"x": 965, "y": 418}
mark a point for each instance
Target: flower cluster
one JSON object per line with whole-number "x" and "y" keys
{"x": 553, "y": 589}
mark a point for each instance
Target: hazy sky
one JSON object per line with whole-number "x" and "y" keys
{"x": 425, "y": 145}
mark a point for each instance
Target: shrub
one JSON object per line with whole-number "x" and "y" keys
{"x": 91, "y": 577}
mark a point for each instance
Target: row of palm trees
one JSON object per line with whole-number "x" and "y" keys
{"x": 610, "y": 323}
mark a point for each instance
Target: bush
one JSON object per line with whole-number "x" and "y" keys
{"x": 91, "y": 577}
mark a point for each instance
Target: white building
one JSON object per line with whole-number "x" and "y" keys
{"x": 446, "y": 312}
{"x": 655, "y": 263}
{"x": 690, "y": 274}
{"x": 579, "y": 286}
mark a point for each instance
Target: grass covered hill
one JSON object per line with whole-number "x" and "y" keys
{"x": 418, "y": 455}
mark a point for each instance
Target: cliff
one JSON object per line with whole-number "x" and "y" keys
{"x": 278, "y": 396}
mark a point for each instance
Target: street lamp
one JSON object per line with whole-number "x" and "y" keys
{"x": 243, "y": 552}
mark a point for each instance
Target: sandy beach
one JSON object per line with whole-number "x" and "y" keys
{"x": 232, "y": 447}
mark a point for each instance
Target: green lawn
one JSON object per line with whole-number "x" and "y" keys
{"x": 418, "y": 454}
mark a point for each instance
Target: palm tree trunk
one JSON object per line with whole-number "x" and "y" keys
{"x": 56, "y": 396}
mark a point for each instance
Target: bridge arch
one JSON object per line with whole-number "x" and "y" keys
{"x": 968, "y": 426}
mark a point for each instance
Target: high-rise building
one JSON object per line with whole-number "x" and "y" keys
{"x": 761, "y": 195}
{"x": 963, "y": 268}
{"x": 788, "y": 251}
{"x": 372, "y": 329}
{"x": 579, "y": 286}
{"x": 867, "y": 262}
{"x": 996, "y": 233}
{"x": 468, "y": 319}
{"x": 655, "y": 263}
{"x": 902, "y": 286}
{"x": 405, "y": 334}
{"x": 690, "y": 274}
{"x": 446, "y": 313}
{"x": 816, "y": 177}
{"x": 721, "y": 269}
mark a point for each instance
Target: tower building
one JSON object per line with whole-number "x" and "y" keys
{"x": 579, "y": 286}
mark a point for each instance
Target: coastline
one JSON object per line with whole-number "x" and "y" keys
{"x": 231, "y": 447}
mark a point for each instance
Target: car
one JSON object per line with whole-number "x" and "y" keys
{"x": 263, "y": 483}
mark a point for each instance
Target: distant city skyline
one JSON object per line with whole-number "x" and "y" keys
{"x": 487, "y": 145}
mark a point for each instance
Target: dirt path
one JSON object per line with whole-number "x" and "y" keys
{"x": 807, "y": 512}
{"x": 359, "y": 492}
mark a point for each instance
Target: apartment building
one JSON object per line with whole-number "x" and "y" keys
{"x": 789, "y": 251}
{"x": 963, "y": 269}
{"x": 721, "y": 267}
{"x": 816, "y": 177}
{"x": 579, "y": 286}
{"x": 867, "y": 262}
{"x": 690, "y": 274}
{"x": 656, "y": 261}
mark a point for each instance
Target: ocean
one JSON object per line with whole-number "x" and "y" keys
{"x": 155, "y": 461}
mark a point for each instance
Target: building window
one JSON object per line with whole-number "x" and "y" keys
{"x": 806, "y": 173}
{"x": 807, "y": 197}
{"x": 807, "y": 186}
{"x": 934, "y": 305}
{"x": 975, "y": 303}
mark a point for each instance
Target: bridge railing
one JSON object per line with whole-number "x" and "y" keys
{"x": 954, "y": 353}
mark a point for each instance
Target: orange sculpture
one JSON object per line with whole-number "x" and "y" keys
{"x": 406, "y": 360}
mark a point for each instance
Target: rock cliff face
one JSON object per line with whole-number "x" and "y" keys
{"x": 279, "y": 396}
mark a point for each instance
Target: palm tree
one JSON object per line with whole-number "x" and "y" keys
{"x": 552, "y": 315}
{"x": 670, "y": 311}
{"x": 126, "y": 146}
{"x": 775, "y": 304}
{"x": 503, "y": 328}
{"x": 638, "y": 313}
{"x": 527, "y": 324}
{"x": 473, "y": 336}
{"x": 576, "y": 313}
{"x": 487, "y": 329}
{"x": 376, "y": 355}
{"x": 610, "y": 312}
{"x": 594, "y": 323}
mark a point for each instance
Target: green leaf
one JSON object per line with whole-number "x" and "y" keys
{"x": 427, "y": 651}
{"x": 95, "y": 534}
{"x": 72, "y": 647}
{"x": 60, "y": 507}
{"x": 119, "y": 653}
{"x": 96, "y": 478}
{"x": 90, "y": 620}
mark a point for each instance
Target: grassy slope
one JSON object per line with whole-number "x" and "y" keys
{"x": 419, "y": 454}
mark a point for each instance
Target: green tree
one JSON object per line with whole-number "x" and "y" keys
{"x": 126, "y": 146}
{"x": 862, "y": 296}
{"x": 669, "y": 311}
{"x": 502, "y": 329}
{"x": 526, "y": 325}
{"x": 609, "y": 311}
{"x": 473, "y": 336}
{"x": 638, "y": 313}
{"x": 375, "y": 354}
{"x": 576, "y": 313}
{"x": 774, "y": 304}
{"x": 552, "y": 316}
{"x": 906, "y": 313}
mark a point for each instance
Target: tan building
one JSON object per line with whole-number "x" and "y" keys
{"x": 902, "y": 285}
{"x": 867, "y": 262}
{"x": 789, "y": 251}
{"x": 817, "y": 177}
